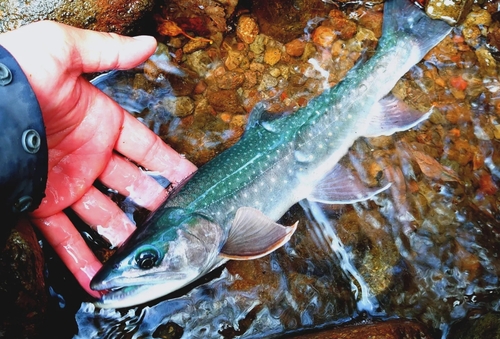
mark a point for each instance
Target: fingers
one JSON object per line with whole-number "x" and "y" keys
{"x": 104, "y": 216}
{"x": 100, "y": 51}
{"x": 71, "y": 248}
{"x": 138, "y": 143}
{"x": 126, "y": 178}
{"x": 76, "y": 50}
{"x": 91, "y": 51}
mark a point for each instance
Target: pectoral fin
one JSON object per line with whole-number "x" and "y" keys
{"x": 341, "y": 186}
{"x": 254, "y": 235}
{"x": 391, "y": 115}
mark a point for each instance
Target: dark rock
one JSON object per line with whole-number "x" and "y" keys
{"x": 202, "y": 17}
{"x": 22, "y": 285}
{"x": 477, "y": 327}
{"x": 118, "y": 16}
{"x": 392, "y": 329}
{"x": 285, "y": 20}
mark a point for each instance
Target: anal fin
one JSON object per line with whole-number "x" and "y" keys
{"x": 391, "y": 115}
{"x": 341, "y": 186}
{"x": 254, "y": 235}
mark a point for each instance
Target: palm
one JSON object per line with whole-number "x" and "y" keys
{"x": 80, "y": 146}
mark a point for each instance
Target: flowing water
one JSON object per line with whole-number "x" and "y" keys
{"x": 425, "y": 249}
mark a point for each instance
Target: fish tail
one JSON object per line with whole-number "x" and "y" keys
{"x": 402, "y": 18}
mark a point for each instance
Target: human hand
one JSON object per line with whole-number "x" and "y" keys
{"x": 89, "y": 136}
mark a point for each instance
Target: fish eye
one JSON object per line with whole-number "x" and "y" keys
{"x": 147, "y": 258}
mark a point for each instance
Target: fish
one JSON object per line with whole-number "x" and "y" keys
{"x": 229, "y": 208}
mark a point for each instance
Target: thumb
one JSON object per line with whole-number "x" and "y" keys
{"x": 74, "y": 49}
{"x": 99, "y": 51}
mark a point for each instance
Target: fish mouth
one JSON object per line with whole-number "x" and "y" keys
{"x": 132, "y": 293}
{"x": 119, "y": 297}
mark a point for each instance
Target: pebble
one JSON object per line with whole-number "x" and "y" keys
{"x": 224, "y": 100}
{"x": 234, "y": 57}
{"x": 250, "y": 79}
{"x": 230, "y": 80}
{"x": 295, "y": 48}
{"x": 272, "y": 56}
{"x": 247, "y": 29}
{"x": 199, "y": 62}
{"x": 194, "y": 45}
{"x": 268, "y": 82}
{"x": 372, "y": 21}
{"x": 259, "y": 44}
{"x": 275, "y": 72}
{"x": 179, "y": 106}
{"x": 324, "y": 36}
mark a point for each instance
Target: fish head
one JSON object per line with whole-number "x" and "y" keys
{"x": 167, "y": 253}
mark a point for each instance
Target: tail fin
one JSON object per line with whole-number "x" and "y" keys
{"x": 404, "y": 18}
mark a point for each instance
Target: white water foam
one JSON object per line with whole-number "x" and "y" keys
{"x": 365, "y": 300}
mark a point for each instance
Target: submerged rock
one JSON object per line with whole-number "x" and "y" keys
{"x": 393, "y": 329}
{"x": 477, "y": 327}
{"x": 22, "y": 285}
{"x": 452, "y": 12}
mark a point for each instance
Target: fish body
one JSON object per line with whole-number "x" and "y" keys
{"x": 229, "y": 207}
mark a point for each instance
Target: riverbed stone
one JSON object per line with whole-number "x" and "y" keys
{"x": 392, "y": 329}
{"x": 477, "y": 327}
{"x": 23, "y": 294}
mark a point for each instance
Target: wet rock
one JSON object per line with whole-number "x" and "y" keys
{"x": 258, "y": 46}
{"x": 179, "y": 106}
{"x": 272, "y": 55}
{"x": 343, "y": 27}
{"x": 119, "y": 16}
{"x": 199, "y": 62}
{"x": 324, "y": 36}
{"x": 375, "y": 253}
{"x": 230, "y": 80}
{"x": 477, "y": 326}
{"x": 194, "y": 45}
{"x": 268, "y": 82}
{"x": 475, "y": 26}
{"x": 22, "y": 286}
{"x": 247, "y": 29}
{"x": 182, "y": 85}
{"x": 372, "y": 20}
{"x": 392, "y": 329}
{"x": 202, "y": 17}
{"x": 486, "y": 61}
{"x": 224, "y": 100}
{"x": 296, "y": 47}
{"x": 452, "y": 12}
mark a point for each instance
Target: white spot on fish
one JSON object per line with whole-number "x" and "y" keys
{"x": 301, "y": 156}
{"x": 268, "y": 126}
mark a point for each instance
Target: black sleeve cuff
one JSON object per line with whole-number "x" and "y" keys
{"x": 23, "y": 152}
